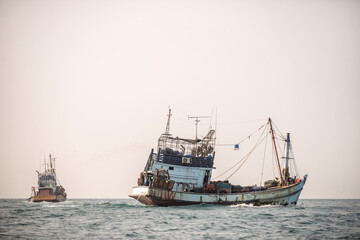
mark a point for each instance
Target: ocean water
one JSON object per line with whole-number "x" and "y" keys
{"x": 128, "y": 219}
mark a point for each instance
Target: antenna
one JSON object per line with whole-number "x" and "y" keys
{"x": 51, "y": 166}
{"x": 211, "y": 118}
{"x": 44, "y": 164}
{"x": 168, "y": 122}
{"x": 215, "y": 121}
{"x": 197, "y": 122}
{"x": 54, "y": 165}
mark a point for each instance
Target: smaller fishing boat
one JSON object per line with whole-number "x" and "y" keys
{"x": 48, "y": 189}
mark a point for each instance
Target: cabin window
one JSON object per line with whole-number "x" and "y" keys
{"x": 171, "y": 168}
{"x": 44, "y": 183}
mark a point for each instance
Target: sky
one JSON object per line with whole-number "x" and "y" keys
{"x": 91, "y": 81}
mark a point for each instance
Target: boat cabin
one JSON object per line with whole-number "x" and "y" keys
{"x": 47, "y": 184}
{"x": 187, "y": 162}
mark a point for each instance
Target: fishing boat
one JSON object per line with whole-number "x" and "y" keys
{"x": 48, "y": 189}
{"x": 180, "y": 173}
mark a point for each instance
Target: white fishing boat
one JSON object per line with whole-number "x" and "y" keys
{"x": 180, "y": 173}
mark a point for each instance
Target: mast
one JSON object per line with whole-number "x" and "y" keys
{"x": 277, "y": 156}
{"x": 168, "y": 123}
{"x": 287, "y": 150}
{"x": 51, "y": 166}
{"x": 54, "y": 166}
{"x": 286, "y": 169}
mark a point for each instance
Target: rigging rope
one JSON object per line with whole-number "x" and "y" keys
{"x": 248, "y": 137}
{"x": 272, "y": 161}
{"x": 262, "y": 169}
{"x": 248, "y": 155}
{"x": 279, "y": 147}
{"x": 244, "y": 121}
{"x": 279, "y": 131}
{"x": 294, "y": 162}
{"x": 278, "y": 136}
{"x": 243, "y": 159}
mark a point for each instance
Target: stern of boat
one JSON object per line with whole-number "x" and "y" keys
{"x": 140, "y": 193}
{"x": 48, "y": 198}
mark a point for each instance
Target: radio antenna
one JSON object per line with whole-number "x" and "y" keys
{"x": 197, "y": 122}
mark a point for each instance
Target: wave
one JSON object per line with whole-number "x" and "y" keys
{"x": 114, "y": 205}
{"x": 250, "y": 205}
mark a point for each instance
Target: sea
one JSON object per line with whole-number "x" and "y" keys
{"x": 129, "y": 219}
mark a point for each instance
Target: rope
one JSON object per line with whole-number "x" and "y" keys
{"x": 229, "y": 169}
{"x": 272, "y": 161}
{"x": 238, "y": 161}
{"x": 294, "y": 162}
{"x": 245, "y": 121}
{"x": 247, "y": 156}
{"x": 262, "y": 169}
{"x": 279, "y": 147}
{"x": 248, "y": 137}
{"x": 278, "y": 136}
{"x": 279, "y": 131}
{"x": 57, "y": 179}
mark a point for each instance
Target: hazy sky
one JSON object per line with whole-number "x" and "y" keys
{"x": 91, "y": 81}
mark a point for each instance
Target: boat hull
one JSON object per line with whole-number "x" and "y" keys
{"x": 162, "y": 197}
{"x": 49, "y": 198}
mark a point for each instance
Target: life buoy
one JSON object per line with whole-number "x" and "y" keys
{"x": 162, "y": 173}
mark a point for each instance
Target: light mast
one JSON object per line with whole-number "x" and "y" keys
{"x": 168, "y": 123}
{"x": 286, "y": 169}
{"x": 277, "y": 156}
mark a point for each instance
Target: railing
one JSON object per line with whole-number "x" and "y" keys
{"x": 206, "y": 162}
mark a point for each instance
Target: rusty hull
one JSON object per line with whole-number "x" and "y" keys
{"x": 275, "y": 196}
{"x": 48, "y": 198}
